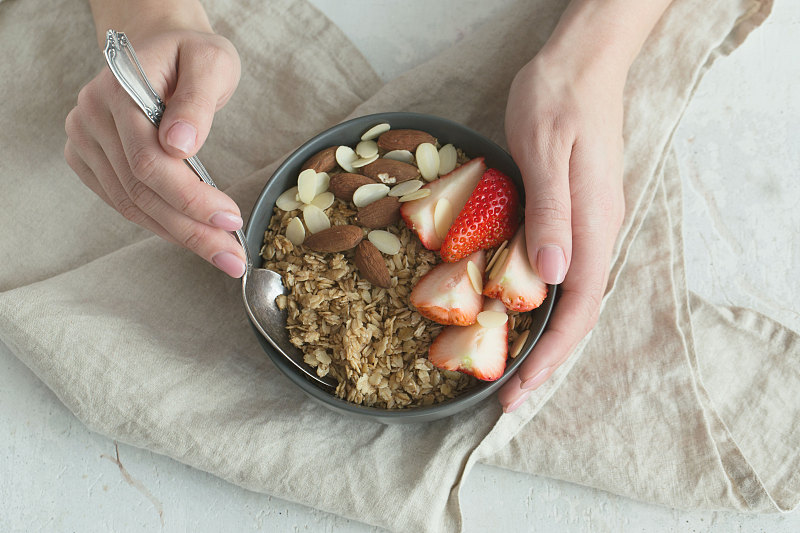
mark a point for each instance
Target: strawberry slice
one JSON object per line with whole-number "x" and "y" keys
{"x": 490, "y": 216}
{"x": 457, "y": 186}
{"x": 515, "y": 282}
{"x": 445, "y": 294}
{"x": 473, "y": 350}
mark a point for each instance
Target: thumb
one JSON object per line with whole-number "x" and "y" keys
{"x": 548, "y": 220}
{"x": 208, "y": 72}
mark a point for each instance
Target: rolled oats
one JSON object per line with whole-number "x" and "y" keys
{"x": 366, "y": 337}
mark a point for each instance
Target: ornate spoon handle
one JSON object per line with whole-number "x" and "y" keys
{"x": 126, "y": 68}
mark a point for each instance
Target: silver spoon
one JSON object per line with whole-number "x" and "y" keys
{"x": 260, "y": 286}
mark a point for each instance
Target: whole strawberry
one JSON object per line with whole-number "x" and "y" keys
{"x": 490, "y": 216}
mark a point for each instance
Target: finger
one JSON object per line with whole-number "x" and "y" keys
{"x": 573, "y": 318}
{"x": 512, "y": 395}
{"x": 214, "y": 245}
{"x": 108, "y": 188}
{"x": 208, "y": 73}
{"x": 544, "y": 163}
{"x": 578, "y": 305}
{"x": 139, "y": 157}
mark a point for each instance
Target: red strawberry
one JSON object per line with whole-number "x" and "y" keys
{"x": 490, "y": 216}
{"x": 474, "y": 350}
{"x": 445, "y": 294}
{"x": 455, "y": 186}
{"x": 516, "y": 284}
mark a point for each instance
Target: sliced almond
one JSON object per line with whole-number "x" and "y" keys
{"x": 295, "y": 231}
{"x": 375, "y": 131}
{"x": 322, "y": 161}
{"x": 442, "y": 217}
{"x": 367, "y": 149}
{"x": 344, "y": 184}
{"x": 324, "y": 200}
{"x": 492, "y": 319}
{"x": 335, "y": 239}
{"x": 307, "y": 185}
{"x": 407, "y": 187}
{"x": 390, "y": 171}
{"x": 288, "y": 200}
{"x": 496, "y": 254}
{"x": 404, "y": 139}
{"x": 384, "y": 241}
{"x": 416, "y": 195}
{"x": 427, "y": 161}
{"x": 366, "y": 194}
{"x": 380, "y": 213}
{"x": 322, "y": 182}
{"x": 448, "y": 158}
{"x": 315, "y": 218}
{"x": 404, "y": 156}
{"x": 475, "y": 277}
{"x": 499, "y": 264}
{"x": 345, "y": 157}
{"x": 364, "y": 161}
{"x": 371, "y": 265}
{"x": 516, "y": 348}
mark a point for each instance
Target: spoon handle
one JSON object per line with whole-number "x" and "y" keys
{"x": 126, "y": 68}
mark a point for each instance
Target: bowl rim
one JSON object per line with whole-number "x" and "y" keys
{"x": 468, "y": 398}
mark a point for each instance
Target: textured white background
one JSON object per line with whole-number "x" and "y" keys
{"x": 739, "y": 152}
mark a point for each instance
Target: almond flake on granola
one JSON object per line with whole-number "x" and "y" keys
{"x": 385, "y": 241}
{"x": 345, "y": 157}
{"x": 315, "y": 218}
{"x": 366, "y": 194}
{"x": 295, "y": 231}
{"x": 375, "y": 131}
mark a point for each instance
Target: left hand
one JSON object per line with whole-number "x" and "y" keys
{"x": 564, "y": 130}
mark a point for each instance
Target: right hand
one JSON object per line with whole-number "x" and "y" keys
{"x": 138, "y": 170}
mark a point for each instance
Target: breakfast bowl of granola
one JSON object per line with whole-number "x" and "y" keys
{"x": 400, "y": 241}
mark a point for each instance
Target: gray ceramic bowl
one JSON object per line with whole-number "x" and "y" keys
{"x": 349, "y": 133}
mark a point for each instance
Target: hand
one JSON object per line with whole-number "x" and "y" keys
{"x": 564, "y": 130}
{"x": 138, "y": 170}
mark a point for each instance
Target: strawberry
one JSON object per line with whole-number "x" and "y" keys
{"x": 445, "y": 294}
{"x": 515, "y": 283}
{"x": 473, "y": 350}
{"x": 490, "y": 216}
{"x": 455, "y": 186}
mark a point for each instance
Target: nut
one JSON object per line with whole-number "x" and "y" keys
{"x": 404, "y": 140}
{"x": 390, "y": 172}
{"x": 345, "y": 184}
{"x": 322, "y": 161}
{"x": 371, "y": 265}
{"x": 335, "y": 239}
{"x": 380, "y": 213}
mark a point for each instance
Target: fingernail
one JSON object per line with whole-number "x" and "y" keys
{"x": 226, "y": 221}
{"x": 536, "y": 380}
{"x": 516, "y": 403}
{"x": 182, "y": 136}
{"x": 229, "y": 263}
{"x": 552, "y": 264}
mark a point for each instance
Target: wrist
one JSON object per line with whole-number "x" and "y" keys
{"x": 601, "y": 39}
{"x": 143, "y": 17}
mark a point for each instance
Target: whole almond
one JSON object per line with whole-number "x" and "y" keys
{"x": 371, "y": 265}
{"x": 343, "y": 185}
{"x": 404, "y": 140}
{"x": 390, "y": 172}
{"x": 380, "y": 213}
{"x": 335, "y": 239}
{"x": 322, "y": 161}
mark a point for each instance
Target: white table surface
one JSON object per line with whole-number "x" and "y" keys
{"x": 55, "y": 475}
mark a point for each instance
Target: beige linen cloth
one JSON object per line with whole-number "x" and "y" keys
{"x": 671, "y": 400}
